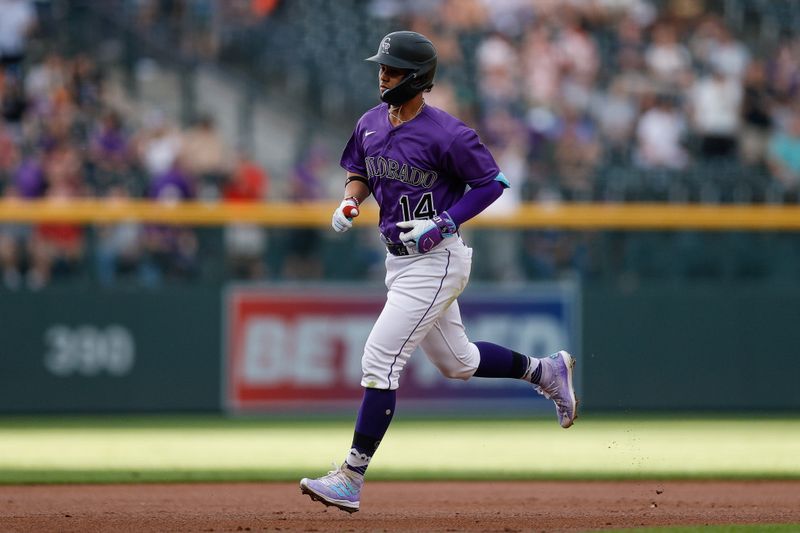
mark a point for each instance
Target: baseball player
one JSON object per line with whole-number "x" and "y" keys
{"x": 430, "y": 174}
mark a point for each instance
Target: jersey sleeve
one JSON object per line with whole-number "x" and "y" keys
{"x": 468, "y": 159}
{"x": 353, "y": 154}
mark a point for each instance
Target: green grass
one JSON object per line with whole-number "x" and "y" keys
{"x": 759, "y": 528}
{"x": 123, "y": 449}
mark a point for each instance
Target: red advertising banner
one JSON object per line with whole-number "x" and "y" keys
{"x": 288, "y": 348}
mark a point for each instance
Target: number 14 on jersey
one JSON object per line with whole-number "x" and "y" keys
{"x": 423, "y": 210}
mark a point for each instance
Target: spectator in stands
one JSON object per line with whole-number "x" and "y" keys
{"x": 578, "y": 50}
{"x": 12, "y": 102}
{"x": 172, "y": 186}
{"x": 307, "y": 183}
{"x": 12, "y": 236}
{"x": 703, "y": 39}
{"x": 615, "y": 112}
{"x": 509, "y": 18}
{"x": 715, "y": 101}
{"x": 12, "y": 242}
{"x": 503, "y": 262}
{"x": 756, "y": 115}
{"x": 57, "y": 249}
{"x": 629, "y": 44}
{"x": 45, "y": 80}
{"x": 109, "y": 153}
{"x": 465, "y": 16}
{"x": 783, "y": 76}
{"x": 85, "y": 82}
{"x": 783, "y": 73}
{"x": 729, "y": 55}
{"x": 157, "y": 144}
{"x": 54, "y": 119}
{"x": 17, "y": 22}
{"x": 784, "y": 158}
{"x": 577, "y": 153}
{"x": 541, "y": 67}
{"x": 10, "y": 259}
{"x": 633, "y": 77}
{"x": 499, "y": 82}
{"x": 118, "y": 247}
{"x": 246, "y": 244}
{"x": 249, "y": 181}
{"x": 206, "y": 158}
{"x": 443, "y": 96}
{"x": 659, "y": 136}
{"x": 170, "y": 252}
{"x": 668, "y": 60}
{"x": 28, "y": 179}
{"x": 9, "y": 154}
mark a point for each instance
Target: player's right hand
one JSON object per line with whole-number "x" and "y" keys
{"x": 344, "y": 215}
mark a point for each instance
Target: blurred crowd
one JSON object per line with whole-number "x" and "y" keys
{"x": 579, "y": 99}
{"x": 570, "y": 94}
{"x": 593, "y": 100}
{"x": 60, "y": 139}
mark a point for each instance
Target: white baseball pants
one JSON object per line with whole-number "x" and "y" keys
{"x": 421, "y": 310}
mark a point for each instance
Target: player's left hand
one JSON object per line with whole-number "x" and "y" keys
{"x": 426, "y": 234}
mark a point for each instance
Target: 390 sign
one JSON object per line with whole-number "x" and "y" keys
{"x": 89, "y": 350}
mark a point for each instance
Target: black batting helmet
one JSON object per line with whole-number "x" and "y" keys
{"x": 407, "y": 50}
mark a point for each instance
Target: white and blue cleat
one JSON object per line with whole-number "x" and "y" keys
{"x": 340, "y": 488}
{"x": 556, "y": 384}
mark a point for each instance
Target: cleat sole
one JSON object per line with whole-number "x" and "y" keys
{"x": 571, "y": 366}
{"x": 317, "y": 498}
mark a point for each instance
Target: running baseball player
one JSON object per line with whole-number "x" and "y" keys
{"x": 417, "y": 161}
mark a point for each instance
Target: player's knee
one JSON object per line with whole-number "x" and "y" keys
{"x": 456, "y": 374}
{"x": 456, "y": 364}
{"x": 456, "y": 371}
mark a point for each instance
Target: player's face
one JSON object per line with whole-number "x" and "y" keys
{"x": 389, "y": 77}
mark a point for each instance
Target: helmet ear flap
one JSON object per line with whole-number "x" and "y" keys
{"x": 402, "y": 92}
{"x": 423, "y": 78}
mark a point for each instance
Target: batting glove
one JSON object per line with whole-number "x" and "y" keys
{"x": 344, "y": 215}
{"x": 426, "y": 234}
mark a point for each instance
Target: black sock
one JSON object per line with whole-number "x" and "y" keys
{"x": 361, "y": 452}
{"x": 499, "y": 362}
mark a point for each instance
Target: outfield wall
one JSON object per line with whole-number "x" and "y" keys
{"x": 655, "y": 346}
{"x": 692, "y": 346}
{"x": 71, "y": 350}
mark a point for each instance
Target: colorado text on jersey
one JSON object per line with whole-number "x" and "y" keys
{"x": 386, "y": 167}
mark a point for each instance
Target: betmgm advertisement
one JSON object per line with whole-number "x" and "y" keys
{"x": 300, "y": 349}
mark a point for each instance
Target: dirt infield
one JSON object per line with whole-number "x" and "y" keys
{"x": 403, "y": 506}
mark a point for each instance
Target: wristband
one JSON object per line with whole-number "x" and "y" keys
{"x": 445, "y": 224}
{"x": 362, "y": 179}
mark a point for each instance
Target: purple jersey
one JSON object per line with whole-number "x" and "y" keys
{"x": 419, "y": 168}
